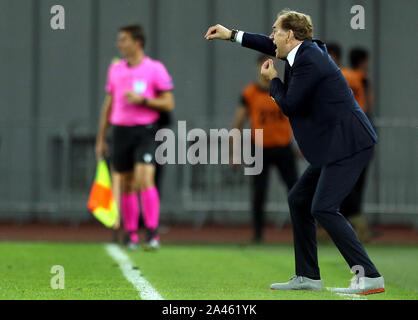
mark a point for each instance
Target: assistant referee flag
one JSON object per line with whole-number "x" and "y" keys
{"x": 101, "y": 202}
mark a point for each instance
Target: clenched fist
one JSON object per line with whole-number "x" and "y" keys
{"x": 268, "y": 71}
{"x": 101, "y": 148}
{"x": 218, "y": 32}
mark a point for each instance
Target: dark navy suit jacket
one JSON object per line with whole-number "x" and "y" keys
{"x": 327, "y": 122}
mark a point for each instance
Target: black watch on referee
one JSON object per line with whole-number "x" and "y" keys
{"x": 234, "y": 33}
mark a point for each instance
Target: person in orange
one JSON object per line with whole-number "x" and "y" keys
{"x": 257, "y": 105}
{"x": 359, "y": 61}
{"x": 359, "y": 82}
{"x": 356, "y": 76}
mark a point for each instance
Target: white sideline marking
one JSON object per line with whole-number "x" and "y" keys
{"x": 348, "y": 296}
{"x": 351, "y": 296}
{"x": 145, "y": 289}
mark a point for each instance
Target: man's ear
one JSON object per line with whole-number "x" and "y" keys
{"x": 290, "y": 35}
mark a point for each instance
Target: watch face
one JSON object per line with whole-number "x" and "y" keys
{"x": 140, "y": 86}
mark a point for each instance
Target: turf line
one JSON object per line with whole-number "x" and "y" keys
{"x": 132, "y": 274}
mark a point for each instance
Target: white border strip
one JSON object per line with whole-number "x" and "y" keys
{"x": 145, "y": 289}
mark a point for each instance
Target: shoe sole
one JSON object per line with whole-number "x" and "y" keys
{"x": 272, "y": 289}
{"x": 380, "y": 290}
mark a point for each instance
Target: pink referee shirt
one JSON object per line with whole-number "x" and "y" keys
{"x": 146, "y": 79}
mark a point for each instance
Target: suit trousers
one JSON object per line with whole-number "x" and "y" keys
{"x": 317, "y": 196}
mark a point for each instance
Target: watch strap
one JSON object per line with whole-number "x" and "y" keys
{"x": 234, "y": 35}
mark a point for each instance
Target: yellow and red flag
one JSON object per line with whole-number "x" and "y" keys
{"x": 101, "y": 202}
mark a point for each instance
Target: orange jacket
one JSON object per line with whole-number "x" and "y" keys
{"x": 265, "y": 114}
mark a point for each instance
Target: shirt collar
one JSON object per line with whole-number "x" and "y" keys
{"x": 292, "y": 54}
{"x": 144, "y": 59}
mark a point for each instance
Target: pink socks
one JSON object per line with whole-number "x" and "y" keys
{"x": 150, "y": 203}
{"x": 130, "y": 214}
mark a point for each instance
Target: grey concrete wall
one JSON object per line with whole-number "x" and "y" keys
{"x": 16, "y": 95}
{"x": 52, "y": 82}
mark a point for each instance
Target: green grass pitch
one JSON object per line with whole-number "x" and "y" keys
{"x": 183, "y": 272}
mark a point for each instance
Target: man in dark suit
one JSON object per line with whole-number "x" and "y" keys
{"x": 334, "y": 135}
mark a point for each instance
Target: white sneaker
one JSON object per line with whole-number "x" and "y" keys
{"x": 363, "y": 286}
{"x": 153, "y": 244}
{"x": 132, "y": 246}
{"x": 298, "y": 283}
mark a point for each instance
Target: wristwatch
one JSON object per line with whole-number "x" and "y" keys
{"x": 234, "y": 35}
{"x": 144, "y": 101}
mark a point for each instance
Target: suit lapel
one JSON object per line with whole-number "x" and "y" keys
{"x": 288, "y": 68}
{"x": 301, "y": 48}
{"x": 286, "y": 74}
